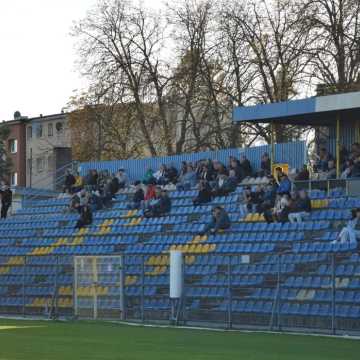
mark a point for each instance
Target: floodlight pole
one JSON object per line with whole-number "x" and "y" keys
{"x": 338, "y": 145}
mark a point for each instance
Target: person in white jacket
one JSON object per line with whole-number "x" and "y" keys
{"x": 351, "y": 232}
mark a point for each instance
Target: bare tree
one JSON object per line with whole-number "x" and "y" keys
{"x": 335, "y": 52}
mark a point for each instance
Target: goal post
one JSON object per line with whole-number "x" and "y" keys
{"x": 99, "y": 287}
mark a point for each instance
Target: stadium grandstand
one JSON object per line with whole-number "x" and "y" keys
{"x": 102, "y": 249}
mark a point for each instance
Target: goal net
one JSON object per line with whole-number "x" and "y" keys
{"x": 99, "y": 287}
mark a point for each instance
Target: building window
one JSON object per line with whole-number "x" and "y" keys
{"x": 50, "y": 163}
{"x": 50, "y": 129}
{"x": 13, "y": 146}
{"x": 29, "y": 132}
{"x": 59, "y": 127}
{"x": 39, "y": 131}
{"x": 14, "y": 179}
{"x": 40, "y": 164}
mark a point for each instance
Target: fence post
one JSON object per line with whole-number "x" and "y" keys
{"x": 23, "y": 287}
{"x": 279, "y": 293}
{"x": 333, "y": 295}
{"x": 229, "y": 324}
{"x": 142, "y": 287}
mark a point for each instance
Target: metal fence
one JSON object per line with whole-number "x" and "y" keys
{"x": 314, "y": 292}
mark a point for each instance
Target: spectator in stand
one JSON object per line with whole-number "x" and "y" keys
{"x": 204, "y": 195}
{"x": 348, "y": 169}
{"x": 183, "y": 169}
{"x": 148, "y": 177}
{"x": 172, "y": 174}
{"x": 247, "y": 206}
{"x": 66, "y": 194}
{"x": 355, "y": 151}
{"x": 188, "y": 179}
{"x": 351, "y": 232}
{"x": 161, "y": 207}
{"x": 220, "y": 221}
{"x": 79, "y": 183}
{"x": 86, "y": 217}
{"x": 323, "y": 160}
{"x": 207, "y": 172}
{"x": 344, "y": 155}
{"x": 225, "y": 184}
{"x": 355, "y": 173}
{"x": 236, "y": 167}
{"x": 91, "y": 180}
{"x": 331, "y": 171}
{"x": 122, "y": 178}
{"x": 103, "y": 179}
{"x": 107, "y": 194}
{"x": 95, "y": 201}
{"x": 280, "y": 211}
{"x": 161, "y": 175}
{"x": 150, "y": 193}
{"x": 265, "y": 165}
{"x": 69, "y": 181}
{"x": 6, "y": 200}
{"x": 219, "y": 168}
{"x": 138, "y": 196}
{"x": 74, "y": 204}
{"x": 302, "y": 208}
{"x": 246, "y": 166}
{"x": 303, "y": 175}
{"x": 284, "y": 185}
{"x": 268, "y": 200}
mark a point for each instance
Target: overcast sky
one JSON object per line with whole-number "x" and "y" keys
{"x": 37, "y": 54}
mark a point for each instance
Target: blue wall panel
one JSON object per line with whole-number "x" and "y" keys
{"x": 293, "y": 153}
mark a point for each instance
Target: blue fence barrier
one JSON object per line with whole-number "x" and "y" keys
{"x": 293, "y": 153}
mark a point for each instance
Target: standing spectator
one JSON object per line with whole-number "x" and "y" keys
{"x": 138, "y": 196}
{"x": 69, "y": 180}
{"x": 86, "y": 217}
{"x": 302, "y": 208}
{"x": 123, "y": 178}
{"x": 204, "y": 195}
{"x": 220, "y": 221}
{"x": 323, "y": 160}
{"x": 6, "y": 200}
{"x": 351, "y": 232}
{"x": 246, "y": 166}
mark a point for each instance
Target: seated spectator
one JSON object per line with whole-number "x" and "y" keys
{"x": 355, "y": 151}
{"x": 284, "y": 185}
{"x": 95, "y": 201}
{"x": 268, "y": 199}
{"x": 207, "y": 172}
{"x": 303, "y": 174}
{"x": 183, "y": 168}
{"x": 225, "y": 184}
{"x": 219, "y": 168}
{"x": 86, "y": 217}
{"x": 265, "y": 165}
{"x": 123, "y": 179}
{"x": 161, "y": 175}
{"x": 302, "y": 208}
{"x": 188, "y": 179}
{"x": 280, "y": 211}
{"x": 150, "y": 193}
{"x": 323, "y": 160}
{"x": 220, "y": 221}
{"x": 172, "y": 174}
{"x": 351, "y": 232}
{"x": 107, "y": 194}
{"x": 148, "y": 177}
{"x": 66, "y": 194}
{"x": 348, "y": 170}
{"x": 161, "y": 206}
{"x": 74, "y": 204}
{"x": 204, "y": 195}
{"x": 344, "y": 155}
{"x": 236, "y": 167}
{"x": 246, "y": 166}
{"x": 330, "y": 173}
{"x": 69, "y": 181}
{"x": 355, "y": 172}
{"x": 138, "y": 196}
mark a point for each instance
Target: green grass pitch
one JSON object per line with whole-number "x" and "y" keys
{"x": 36, "y": 340}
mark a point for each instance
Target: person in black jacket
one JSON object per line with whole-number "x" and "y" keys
{"x": 246, "y": 166}
{"x": 204, "y": 194}
{"x": 86, "y": 217}
{"x": 161, "y": 207}
{"x": 138, "y": 196}
{"x": 69, "y": 181}
{"x": 302, "y": 208}
{"x": 6, "y": 201}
